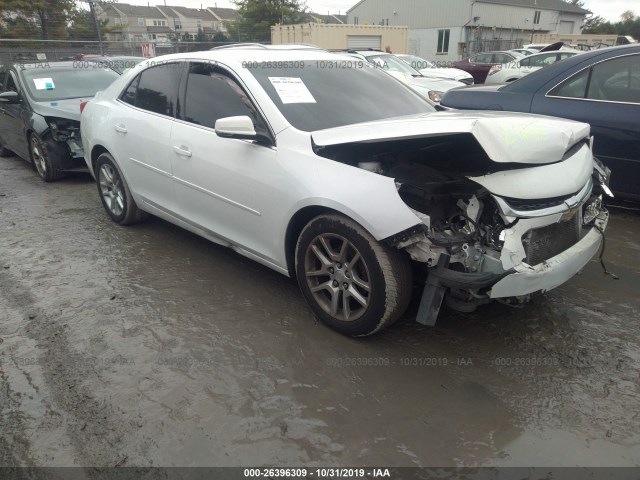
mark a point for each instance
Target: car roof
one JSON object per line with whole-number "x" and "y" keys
{"x": 238, "y": 56}
{"x": 535, "y": 80}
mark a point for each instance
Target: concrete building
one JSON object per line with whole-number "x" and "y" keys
{"x": 442, "y": 30}
{"x": 339, "y": 36}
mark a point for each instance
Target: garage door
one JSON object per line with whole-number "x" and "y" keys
{"x": 357, "y": 42}
{"x": 566, "y": 27}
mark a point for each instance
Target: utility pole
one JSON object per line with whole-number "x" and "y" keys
{"x": 96, "y": 24}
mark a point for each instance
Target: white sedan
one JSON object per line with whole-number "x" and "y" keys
{"x": 335, "y": 173}
{"x": 430, "y": 69}
{"x": 509, "y": 72}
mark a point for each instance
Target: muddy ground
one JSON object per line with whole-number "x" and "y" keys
{"x": 147, "y": 345}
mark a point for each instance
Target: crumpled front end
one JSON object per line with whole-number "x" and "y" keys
{"x": 497, "y": 247}
{"x": 509, "y": 204}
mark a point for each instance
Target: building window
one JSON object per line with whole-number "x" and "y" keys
{"x": 443, "y": 41}
{"x": 177, "y": 25}
{"x": 141, "y": 22}
{"x": 117, "y": 21}
{"x": 355, "y": 21}
{"x": 536, "y": 17}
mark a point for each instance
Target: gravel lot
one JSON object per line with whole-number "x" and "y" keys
{"x": 148, "y": 345}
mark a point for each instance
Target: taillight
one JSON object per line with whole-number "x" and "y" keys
{"x": 82, "y": 105}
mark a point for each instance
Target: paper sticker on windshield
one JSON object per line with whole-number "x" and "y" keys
{"x": 292, "y": 90}
{"x": 44, "y": 83}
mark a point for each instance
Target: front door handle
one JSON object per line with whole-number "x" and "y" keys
{"x": 182, "y": 151}
{"x": 120, "y": 128}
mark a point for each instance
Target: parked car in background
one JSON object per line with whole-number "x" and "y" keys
{"x": 40, "y": 113}
{"x": 524, "y": 66}
{"x": 523, "y": 51}
{"x": 430, "y": 69}
{"x": 120, "y": 64}
{"x": 479, "y": 65}
{"x": 536, "y": 46}
{"x": 368, "y": 185}
{"x": 429, "y": 87}
{"x": 600, "y": 87}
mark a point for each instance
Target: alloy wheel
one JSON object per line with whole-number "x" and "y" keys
{"x": 39, "y": 156}
{"x": 338, "y": 277}
{"x": 111, "y": 189}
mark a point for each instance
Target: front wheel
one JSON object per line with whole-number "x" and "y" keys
{"x": 43, "y": 159}
{"x": 114, "y": 192}
{"x": 353, "y": 284}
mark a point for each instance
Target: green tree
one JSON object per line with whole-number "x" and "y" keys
{"x": 629, "y": 24}
{"x": 201, "y": 37}
{"x": 220, "y": 37}
{"x": 49, "y": 16}
{"x": 82, "y": 26}
{"x": 257, "y": 17}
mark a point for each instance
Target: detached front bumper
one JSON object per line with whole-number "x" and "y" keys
{"x": 555, "y": 271}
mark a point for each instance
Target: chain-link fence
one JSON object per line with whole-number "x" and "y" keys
{"x": 492, "y": 45}
{"x": 39, "y": 50}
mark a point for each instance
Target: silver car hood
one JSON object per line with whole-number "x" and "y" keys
{"x": 446, "y": 73}
{"x": 506, "y": 137}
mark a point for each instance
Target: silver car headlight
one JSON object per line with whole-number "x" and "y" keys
{"x": 435, "y": 96}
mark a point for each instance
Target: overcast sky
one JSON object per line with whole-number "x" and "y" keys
{"x": 609, "y": 9}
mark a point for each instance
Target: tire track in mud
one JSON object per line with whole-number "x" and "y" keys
{"x": 92, "y": 426}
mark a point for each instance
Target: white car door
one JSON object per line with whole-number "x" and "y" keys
{"x": 226, "y": 186}
{"x": 142, "y": 126}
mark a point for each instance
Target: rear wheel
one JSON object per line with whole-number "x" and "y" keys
{"x": 352, "y": 283}
{"x": 43, "y": 159}
{"x": 115, "y": 194}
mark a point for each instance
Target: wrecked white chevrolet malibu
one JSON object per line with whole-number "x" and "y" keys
{"x": 338, "y": 174}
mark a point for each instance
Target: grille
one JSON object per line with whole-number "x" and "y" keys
{"x": 530, "y": 205}
{"x": 541, "y": 244}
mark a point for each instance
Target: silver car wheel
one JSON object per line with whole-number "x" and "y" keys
{"x": 338, "y": 277}
{"x": 39, "y": 156}
{"x": 111, "y": 189}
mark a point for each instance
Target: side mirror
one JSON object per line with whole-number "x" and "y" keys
{"x": 236, "y": 127}
{"x": 9, "y": 97}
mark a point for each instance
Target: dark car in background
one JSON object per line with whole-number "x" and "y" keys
{"x": 601, "y": 87}
{"x": 40, "y": 113}
{"x": 479, "y": 65}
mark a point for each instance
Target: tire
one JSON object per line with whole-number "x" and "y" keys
{"x": 376, "y": 277}
{"x": 43, "y": 158}
{"x": 115, "y": 194}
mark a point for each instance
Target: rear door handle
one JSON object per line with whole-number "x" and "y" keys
{"x": 120, "y": 128}
{"x": 182, "y": 151}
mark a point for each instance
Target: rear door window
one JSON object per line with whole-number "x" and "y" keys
{"x": 156, "y": 89}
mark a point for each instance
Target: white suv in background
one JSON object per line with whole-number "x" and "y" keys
{"x": 509, "y": 72}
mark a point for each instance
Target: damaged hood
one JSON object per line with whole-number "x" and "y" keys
{"x": 68, "y": 108}
{"x": 506, "y": 137}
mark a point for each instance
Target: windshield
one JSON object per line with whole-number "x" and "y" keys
{"x": 393, "y": 64}
{"x": 313, "y": 96}
{"x": 45, "y": 84}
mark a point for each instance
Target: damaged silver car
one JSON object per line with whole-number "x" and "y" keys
{"x": 343, "y": 177}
